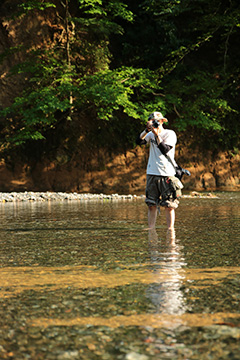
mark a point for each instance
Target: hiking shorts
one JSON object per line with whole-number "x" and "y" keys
{"x": 159, "y": 191}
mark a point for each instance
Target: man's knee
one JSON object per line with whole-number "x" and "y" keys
{"x": 152, "y": 207}
{"x": 169, "y": 209}
{"x": 150, "y": 202}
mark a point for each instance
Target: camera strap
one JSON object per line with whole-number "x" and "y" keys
{"x": 179, "y": 170}
{"x": 170, "y": 160}
{"x": 168, "y": 157}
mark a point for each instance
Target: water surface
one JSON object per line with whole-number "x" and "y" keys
{"x": 85, "y": 280}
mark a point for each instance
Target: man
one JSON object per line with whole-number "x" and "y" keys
{"x": 160, "y": 169}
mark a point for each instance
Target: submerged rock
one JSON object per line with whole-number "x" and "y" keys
{"x": 135, "y": 356}
{"x": 68, "y": 355}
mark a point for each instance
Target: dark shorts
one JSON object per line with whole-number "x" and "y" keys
{"x": 159, "y": 192}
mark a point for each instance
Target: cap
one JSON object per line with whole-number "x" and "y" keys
{"x": 157, "y": 116}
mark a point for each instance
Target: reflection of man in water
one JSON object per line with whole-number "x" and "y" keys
{"x": 159, "y": 169}
{"x": 166, "y": 257}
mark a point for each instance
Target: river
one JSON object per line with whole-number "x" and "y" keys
{"x": 85, "y": 280}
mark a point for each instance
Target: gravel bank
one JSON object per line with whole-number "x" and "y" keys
{"x": 61, "y": 196}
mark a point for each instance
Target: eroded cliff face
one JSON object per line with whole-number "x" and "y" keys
{"x": 122, "y": 174}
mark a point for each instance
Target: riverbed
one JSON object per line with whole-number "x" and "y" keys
{"x": 86, "y": 280}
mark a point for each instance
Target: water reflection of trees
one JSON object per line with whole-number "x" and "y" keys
{"x": 166, "y": 256}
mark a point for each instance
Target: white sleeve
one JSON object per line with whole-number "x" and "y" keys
{"x": 148, "y": 137}
{"x": 170, "y": 139}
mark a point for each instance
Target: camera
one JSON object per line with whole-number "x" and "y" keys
{"x": 155, "y": 123}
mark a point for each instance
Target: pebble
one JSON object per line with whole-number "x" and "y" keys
{"x": 68, "y": 355}
{"x": 136, "y": 356}
{"x": 61, "y": 196}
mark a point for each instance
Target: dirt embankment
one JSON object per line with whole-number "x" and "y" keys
{"x": 123, "y": 173}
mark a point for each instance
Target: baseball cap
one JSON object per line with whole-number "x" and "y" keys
{"x": 157, "y": 116}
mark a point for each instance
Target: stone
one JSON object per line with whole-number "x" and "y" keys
{"x": 136, "y": 356}
{"x": 68, "y": 355}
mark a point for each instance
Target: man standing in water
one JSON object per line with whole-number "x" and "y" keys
{"x": 160, "y": 169}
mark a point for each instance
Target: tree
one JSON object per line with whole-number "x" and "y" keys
{"x": 193, "y": 47}
{"x": 71, "y": 73}
{"x": 116, "y": 61}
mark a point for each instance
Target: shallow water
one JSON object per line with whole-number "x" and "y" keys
{"x": 85, "y": 280}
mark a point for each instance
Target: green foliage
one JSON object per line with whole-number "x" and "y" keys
{"x": 192, "y": 46}
{"x": 199, "y": 101}
{"x": 99, "y": 8}
{"x": 99, "y": 16}
{"x": 118, "y": 60}
{"x": 35, "y": 5}
{"x": 62, "y": 76}
{"x": 35, "y": 112}
{"x": 111, "y": 90}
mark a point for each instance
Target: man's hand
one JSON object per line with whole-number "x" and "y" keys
{"x": 156, "y": 131}
{"x": 149, "y": 125}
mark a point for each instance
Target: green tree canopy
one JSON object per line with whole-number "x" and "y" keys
{"x": 193, "y": 48}
{"x": 115, "y": 60}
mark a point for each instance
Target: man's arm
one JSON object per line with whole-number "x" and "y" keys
{"x": 164, "y": 148}
{"x": 141, "y": 138}
{"x": 140, "y": 141}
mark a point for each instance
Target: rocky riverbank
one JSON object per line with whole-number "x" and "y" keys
{"x": 63, "y": 196}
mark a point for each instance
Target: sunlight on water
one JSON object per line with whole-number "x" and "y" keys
{"x": 155, "y": 321}
{"x": 170, "y": 279}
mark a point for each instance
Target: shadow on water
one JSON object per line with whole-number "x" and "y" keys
{"x": 85, "y": 281}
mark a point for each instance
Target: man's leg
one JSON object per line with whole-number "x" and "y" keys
{"x": 152, "y": 216}
{"x": 170, "y": 217}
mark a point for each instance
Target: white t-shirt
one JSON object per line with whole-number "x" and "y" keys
{"x": 158, "y": 164}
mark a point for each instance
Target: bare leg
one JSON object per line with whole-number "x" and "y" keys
{"x": 170, "y": 217}
{"x": 152, "y": 216}
{"x": 153, "y": 237}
